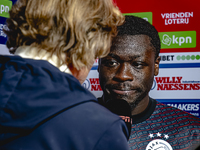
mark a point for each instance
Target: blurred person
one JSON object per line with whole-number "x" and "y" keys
{"x": 42, "y": 103}
{"x": 127, "y": 73}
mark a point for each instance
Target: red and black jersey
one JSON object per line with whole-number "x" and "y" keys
{"x": 164, "y": 127}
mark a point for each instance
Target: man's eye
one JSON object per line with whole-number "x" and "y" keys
{"x": 138, "y": 65}
{"x": 111, "y": 63}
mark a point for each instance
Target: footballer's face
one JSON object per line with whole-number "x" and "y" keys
{"x": 127, "y": 72}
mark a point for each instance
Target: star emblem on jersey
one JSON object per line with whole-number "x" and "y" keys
{"x": 151, "y": 135}
{"x": 166, "y": 136}
{"x": 158, "y": 134}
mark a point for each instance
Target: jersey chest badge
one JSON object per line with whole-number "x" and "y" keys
{"x": 159, "y": 144}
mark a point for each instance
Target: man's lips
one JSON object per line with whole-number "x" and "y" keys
{"x": 123, "y": 92}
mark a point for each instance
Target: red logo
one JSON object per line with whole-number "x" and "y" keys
{"x": 174, "y": 83}
{"x": 95, "y": 86}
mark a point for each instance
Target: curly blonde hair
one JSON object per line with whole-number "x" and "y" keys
{"x": 82, "y": 30}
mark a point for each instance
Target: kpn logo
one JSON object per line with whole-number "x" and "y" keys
{"x": 181, "y": 39}
{"x": 5, "y": 7}
{"x": 144, "y": 15}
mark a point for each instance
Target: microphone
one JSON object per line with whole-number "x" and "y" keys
{"x": 121, "y": 108}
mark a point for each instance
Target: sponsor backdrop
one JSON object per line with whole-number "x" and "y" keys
{"x": 178, "y": 82}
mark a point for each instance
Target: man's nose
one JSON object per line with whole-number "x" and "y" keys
{"x": 124, "y": 73}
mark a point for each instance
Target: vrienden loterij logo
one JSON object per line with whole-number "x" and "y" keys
{"x": 180, "y": 39}
{"x": 177, "y": 18}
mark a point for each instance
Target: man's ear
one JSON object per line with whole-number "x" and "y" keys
{"x": 157, "y": 62}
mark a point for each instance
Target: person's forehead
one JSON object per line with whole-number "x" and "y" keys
{"x": 131, "y": 40}
{"x": 131, "y": 44}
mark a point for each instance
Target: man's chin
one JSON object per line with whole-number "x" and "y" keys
{"x": 120, "y": 97}
{"x": 117, "y": 97}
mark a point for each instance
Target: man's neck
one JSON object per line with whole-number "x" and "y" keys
{"x": 141, "y": 106}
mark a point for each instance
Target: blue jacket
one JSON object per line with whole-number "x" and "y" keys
{"x": 42, "y": 108}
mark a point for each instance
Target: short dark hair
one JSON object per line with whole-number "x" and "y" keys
{"x": 135, "y": 26}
